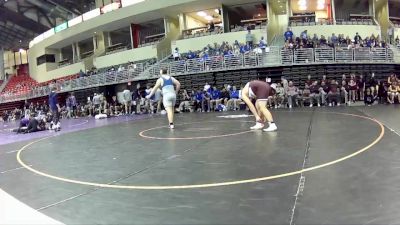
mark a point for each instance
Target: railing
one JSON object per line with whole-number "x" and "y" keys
{"x": 272, "y": 56}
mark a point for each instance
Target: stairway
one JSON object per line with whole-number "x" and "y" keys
{"x": 396, "y": 53}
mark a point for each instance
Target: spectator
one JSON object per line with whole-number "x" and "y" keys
{"x": 382, "y": 92}
{"x": 333, "y": 94}
{"x": 234, "y": 99}
{"x": 352, "y": 89}
{"x": 211, "y": 26}
{"x": 303, "y": 35}
{"x": 314, "y": 94}
{"x": 176, "y": 54}
{"x": 357, "y": 38}
{"x": 292, "y": 94}
{"x": 288, "y": 34}
{"x": 127, "y": 100}
{"x": 397, "y": 40}
{"x": 185, "y": 101}
{"x": 306, "y": 96}
{"x": 344, "y": 92}
{"x": 262, "y": 45}
{"x": 249, "y": 38}
{"x": 334, "y": 39}
{"x": 215, "y": 99}
{"x": 81, "y": 74}
{"x": 279, "y": 97}
{"x": 323, "y": 92}
{"x": 369, "y": 98}
{"x": 393, "y": 92}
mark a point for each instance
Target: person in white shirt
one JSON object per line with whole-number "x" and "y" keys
{"x": 169, "y": 92}
{"x": 127, "y": 100}
{"x": 176, "y": 54}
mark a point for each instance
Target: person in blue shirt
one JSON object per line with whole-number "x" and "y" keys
{"x": 247, "y": 48}
{"x": 215, "y": 98}
{"x": 191, "y": 55}
{"x": 288, "y": 34}
{"x": 262, "y": 45}
{"x": 55, "y": 109}
{"x": 234, "y": 100}
{"x": 198, "y": 100}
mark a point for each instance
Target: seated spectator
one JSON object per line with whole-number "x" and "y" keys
{"x": 185, "y": 101}
{"x": 392, "y": 79}
{"x": 323, "y": 92}
{"x": 292, "y": 94}
{"x": 315, "y": 94}
{"x": 393, "y": 92}
{"x": 234, "y": 100}
{"x": 397, "y": 40}
{"x": 279, "y": 97}
{"x": 211, "y": 26}
{"x": 306, "y": 95}
{"x": 369, "y": 98}
{"x": 303, "y": 35}
{"x": 215, "y": 99}
{"x": 334, "y": 93}
{"x": 225, "y": 96}
{"x": 334, "y": 39}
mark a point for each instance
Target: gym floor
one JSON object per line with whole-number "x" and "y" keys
{"x": 323, "y": 166}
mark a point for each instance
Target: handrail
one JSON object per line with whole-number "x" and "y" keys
{"x": 273, "y": 56}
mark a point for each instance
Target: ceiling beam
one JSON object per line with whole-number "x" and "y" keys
{"x": 22, "y": 21}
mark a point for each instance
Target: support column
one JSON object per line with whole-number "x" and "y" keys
{"x": 135, "y": 30}
{"x": 2, "y": 64}
{"x": 182, "y": 22}
{"x": 78, "y": 51}
{"x": 333, "y": 11}
{"x": 225, "y": 19}
{"x": 74, "y": 58}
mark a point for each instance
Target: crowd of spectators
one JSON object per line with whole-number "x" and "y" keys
{"x": 304, "y": 40}
{"x": 224, "y": 49}
{"x": 313, "y": 92}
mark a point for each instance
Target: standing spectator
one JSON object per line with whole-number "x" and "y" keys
{"x": 357, "y": 38}
{"x": 279, "y": 96}
{"x": 176, "y": 54}
{"x": 304, "y": 35}
{"x": 96, "y": 103}
{"x": 292, "y": 94}
{"x": 262, "y": 45}
{"x": 211, "y": 26}
{"x": 361, "y": 87}
{"x": 285, "y": 83}
{"x": 55, "y": 109}
{"x": 334, "y": 39}
{"x": 382, "y": 92}
{"x": 127, "y": 100}
{"x": 288, "y": 34}
{"x": 397, "y": 40}
{"x": 344, "y": 92}
{"x": 249, "y": 38}
{"x": 352, "y": 89}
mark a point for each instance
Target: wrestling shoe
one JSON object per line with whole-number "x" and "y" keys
{"x": 171, "y": 126}
{"x": 272, "y": 127}
{"x": 258, "y": 126}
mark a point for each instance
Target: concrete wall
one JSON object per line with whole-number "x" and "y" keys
{"x": 382, "y": 16}
{"x": 277, "y": 24}
{"x": 200, "y": 42}
{"x": 347, "y": 30}
{"x": 172, "y": 33}
{"x": 48, "y": 72}
{"x": 132, "y": 55}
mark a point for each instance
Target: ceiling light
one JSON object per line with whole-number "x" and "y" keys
{"x": 209, "y": 18}
{"x": 302, "y": 2}
{"x": 259, "y": 15}
{"x": 201, "y": 13}
{"x": 216, "y": 10}
{"x": 303, "y": 7}
{"x": 21, "y": 50}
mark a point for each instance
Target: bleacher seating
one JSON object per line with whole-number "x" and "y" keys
{"x": 19, "y": 84}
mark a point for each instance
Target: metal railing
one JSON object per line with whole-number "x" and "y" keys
{"x": 272, "y": 56}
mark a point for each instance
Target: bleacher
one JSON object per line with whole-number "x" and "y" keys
{"x": 19, "y": 84}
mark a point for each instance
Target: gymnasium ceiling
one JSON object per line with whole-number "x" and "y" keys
{"x": 22, "y": 20}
